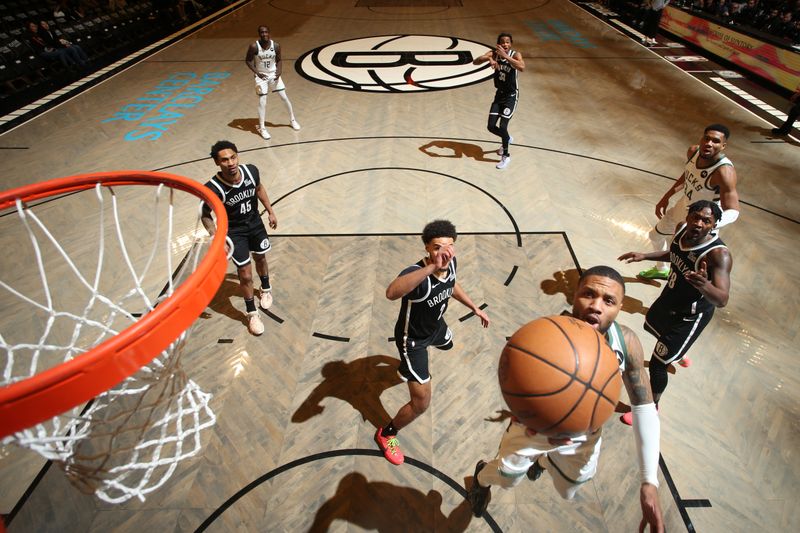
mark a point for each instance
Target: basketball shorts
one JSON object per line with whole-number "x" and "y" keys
{"x": 504, "y": 104}
{"x": 263, "y": 86}
{"x": 675, "y": 332}
{"x": 254, "y": 241}
{"x": 569, "y": 465}
{"x": 414, "y": 353}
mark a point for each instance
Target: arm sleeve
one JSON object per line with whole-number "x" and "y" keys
{"x": 729, "y": 216}
{"x": 647, "y": 433}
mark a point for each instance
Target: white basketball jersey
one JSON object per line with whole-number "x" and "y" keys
{"x": 696, "y": 184}
{"x": 265, "y": 59}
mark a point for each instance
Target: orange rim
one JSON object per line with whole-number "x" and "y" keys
{"x": 59, "y": 389}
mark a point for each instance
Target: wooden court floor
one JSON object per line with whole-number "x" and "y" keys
{"x": 599, "y": 134}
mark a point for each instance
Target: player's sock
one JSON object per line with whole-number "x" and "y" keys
{"x": 265, "y": 283}
{"x": 389, "y": 430}
{"x": 250, "y": 304}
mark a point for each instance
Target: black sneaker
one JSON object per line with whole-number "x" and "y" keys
{"x": 479, "y": 496}
{"x": 535, "y": 471}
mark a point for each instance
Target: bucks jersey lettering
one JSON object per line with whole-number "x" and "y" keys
{"x": 696, "y": 180}
{"x": 265, "y": 59}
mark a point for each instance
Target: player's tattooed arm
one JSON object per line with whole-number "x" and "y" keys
{"x": 208, "y": 220}
{"x": 635, "y": 378}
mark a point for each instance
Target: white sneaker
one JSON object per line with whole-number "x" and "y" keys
{"x": 265, "y": 300}
{"x": 504, "y": 161}
{"x": 255, "y": 325}
{"x": 264, "y": 134}
{"x": 295, "y": 125}
{"x": 500, "y": 150}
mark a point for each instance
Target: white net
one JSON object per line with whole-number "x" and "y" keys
{"x": 88, "y": 273}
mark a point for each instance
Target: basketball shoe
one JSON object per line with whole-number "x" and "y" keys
{"x": 504, "y": 161}
{"x": 390, "y": 447}
{"x": 654, "y": 273}
{"x": 264, "y": 133}
{"x": 535, "y": 471}
{"x": 295, "y": 125}
{"x": 265, "y": 299}
{"x": 685, "y": 362}
{"x": 255, "y": 325}
{"x": 500, "y": 150}
{"x": 478, "y": 495}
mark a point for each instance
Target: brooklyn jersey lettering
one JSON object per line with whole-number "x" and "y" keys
{"x": 505, "y": 77}
{"x": 678, "y": 293}
{"x": 696, "y": 180}
{"x": 241, "y": 202}
{"x": 423, "y": 308}
{"x": 265, "y": 59}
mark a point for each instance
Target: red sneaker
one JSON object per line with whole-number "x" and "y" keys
{"x": 390, "y": 447}
{"x": 685, "y": 362}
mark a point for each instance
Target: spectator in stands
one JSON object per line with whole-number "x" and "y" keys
{"x": 49, "y": 46}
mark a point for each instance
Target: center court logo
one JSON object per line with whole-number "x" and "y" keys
{"x": 396, "y": 63}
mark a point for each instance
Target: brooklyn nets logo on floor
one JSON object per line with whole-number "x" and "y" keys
{"x": 396, "y": 63}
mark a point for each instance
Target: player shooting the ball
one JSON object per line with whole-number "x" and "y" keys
{"x": 572, "y": 462}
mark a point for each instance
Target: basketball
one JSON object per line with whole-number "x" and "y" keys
{"x": 559, "y": 377}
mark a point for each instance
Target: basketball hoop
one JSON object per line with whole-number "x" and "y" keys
{"x": 113, "y": 333}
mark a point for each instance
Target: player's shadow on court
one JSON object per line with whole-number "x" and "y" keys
{"x": 251, "y": 125}
{"x": 383, "y": 507}
{"x": 767, "y": 132}
{"x": 456, "y": 150}
{"x": 566, "y": 281}
{"x": 359, "y": 383}
{"x": 222, "y": 304}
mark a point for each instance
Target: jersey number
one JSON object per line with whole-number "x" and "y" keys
{"x": 245, "y": 208}
{"x": 672, "y": 278}
{"x": 501, "y": 76}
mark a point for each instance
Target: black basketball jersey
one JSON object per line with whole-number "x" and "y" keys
{"x": 680, "y": 295}
{"x": 241, "y": 202}
{"x": 505, "y": 77}
{"x": 422, "y": 309}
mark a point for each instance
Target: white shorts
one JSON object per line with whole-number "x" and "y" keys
{"x": 570, "y": 465}
{"x": 263, "y": 86}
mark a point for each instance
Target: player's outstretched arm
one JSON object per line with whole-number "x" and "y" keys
{"x": 635, "y": 257}
{"x": 461, "y": 296}
{"x": 405, "y": 283}
{"x": 483, "y": 58}
{"x": 646, "y": 430}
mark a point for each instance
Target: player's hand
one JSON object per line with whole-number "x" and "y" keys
{"x": 273, "y": 222}
{"x": 661, "y": 207}
{"x": 443, "y": 256}
{"x": 499, "y": 51}
{"x": 631, "y": 257}
{"x": 651, "y": 509}
{"x": 699, "y": 278}
{"x": 483, "y": 316}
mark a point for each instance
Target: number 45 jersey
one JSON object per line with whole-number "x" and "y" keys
{"x": 241, "y": 202}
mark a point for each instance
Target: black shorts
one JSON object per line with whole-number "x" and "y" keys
{"x": 504, "y": 104}
{"x": 675, "y": 332}
{"x": 414, "y": 354}
{"x": 254, "y": 239}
